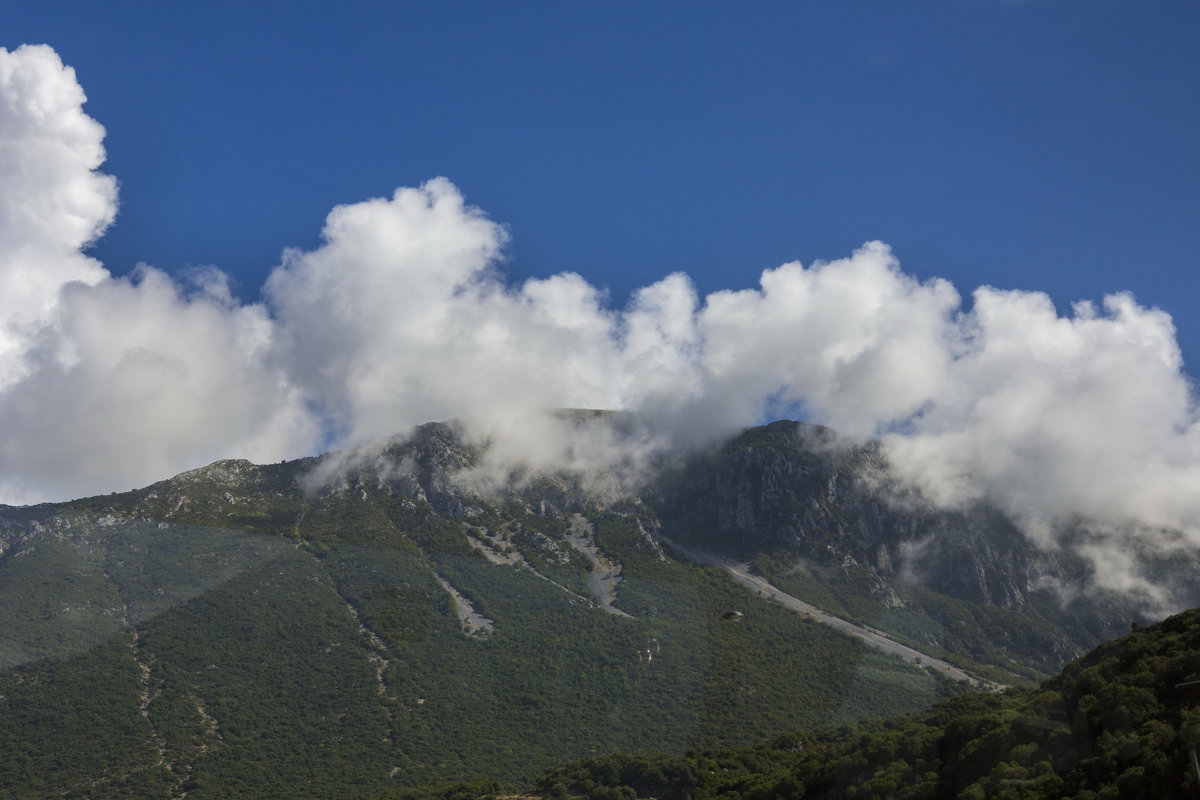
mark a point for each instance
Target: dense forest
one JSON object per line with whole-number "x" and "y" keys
{"x": 390, "y": 631}
{"x": 149, "y": 660}
{"x": 1122, "y": 722}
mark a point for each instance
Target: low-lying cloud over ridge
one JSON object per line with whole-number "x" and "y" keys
{"x": 402, "y": 316}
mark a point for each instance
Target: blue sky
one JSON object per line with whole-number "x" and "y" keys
{"x": 1043, "y": 146}
{"x": 625, "y": 182}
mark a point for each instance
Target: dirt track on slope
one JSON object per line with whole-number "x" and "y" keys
{"x": 605, "y": 574}
{"x": 741, "y": 573}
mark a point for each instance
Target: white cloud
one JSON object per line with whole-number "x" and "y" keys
{"x": 1080, "y": 422}
{"x": 855, "y": 341}
{"x": 1064, "y": 420}
{"x": 398, "y": 319}
{"x": 110, "y": 383}
{"x": 137, "y": 381}
{"x": 53, "y": 201}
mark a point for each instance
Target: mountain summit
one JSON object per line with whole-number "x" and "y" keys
{"x": 412, "y": 612}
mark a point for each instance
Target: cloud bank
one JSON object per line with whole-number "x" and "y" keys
{"x": 107, "y": 382}
{"x": 402, "y": 315}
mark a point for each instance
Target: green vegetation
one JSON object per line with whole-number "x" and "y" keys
{"x": 1123, "y": 722}
{"x": 1004, "y": 645}
{"x": 72, "y": 728}
{"x": 225, "y": 633}
{"x": 326, "y": 659}
{"x": 770, "y": 667}
{"x": 54, "y": 599}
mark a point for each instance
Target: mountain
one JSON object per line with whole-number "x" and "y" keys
{"x": 344, "y": 625}
{"x": 819, "y": 516}
{"x": 1121, "y": 722}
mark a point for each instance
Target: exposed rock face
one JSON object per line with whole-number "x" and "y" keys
{"x": 800, "y": 491}
{"x": 795, "y": 487}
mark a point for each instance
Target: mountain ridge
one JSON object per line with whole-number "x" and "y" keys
{"x": 235, "y": 608}
{"x": 786, "y": 496}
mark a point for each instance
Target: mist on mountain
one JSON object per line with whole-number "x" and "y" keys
{"x": 1081, "y": 426}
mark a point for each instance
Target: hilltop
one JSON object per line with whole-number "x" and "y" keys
{"x": 362, "y": 621}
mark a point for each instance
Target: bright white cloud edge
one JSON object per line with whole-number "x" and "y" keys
{"x": 402, "y": 316}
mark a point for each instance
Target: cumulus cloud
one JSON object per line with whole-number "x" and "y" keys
{"x": 53, "y": 201}
{"x": 856, "y": 342}
{"x": 399, "y": 318}
{"x": 108, "y": 383}
{"x": 1081, "y": 426}
{"x": 1090, "y": 411}
{"x": 138, "y": 380}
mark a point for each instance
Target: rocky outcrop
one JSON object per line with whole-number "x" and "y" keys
{"x": 799, "y": 492}
{"x": 799, "y": 488}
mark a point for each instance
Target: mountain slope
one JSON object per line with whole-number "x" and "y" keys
{"x": 819, "y": 517}
{"x": 1124, "y": 721}
{"x": 229, "y": 633}
{"x": 349, "y": 624}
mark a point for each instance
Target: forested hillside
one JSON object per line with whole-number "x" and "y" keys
{"x": 369, "y": 622}
{"x": 1122, "y": 722}
{"x": 340, "y": 642}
